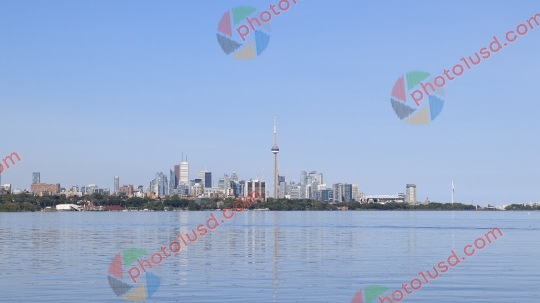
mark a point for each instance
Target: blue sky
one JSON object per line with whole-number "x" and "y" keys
{"x": 94, "y": 89}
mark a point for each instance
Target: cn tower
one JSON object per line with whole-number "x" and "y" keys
{"x": 275, "y": 150}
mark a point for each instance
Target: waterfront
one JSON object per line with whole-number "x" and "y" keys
{"x": 318, "y": 256}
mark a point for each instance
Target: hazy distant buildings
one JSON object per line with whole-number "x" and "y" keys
{"x": 35, "y": 178}
{"x": 410, "y": 194}
{"x": 94, "y": 189}
{"x": 70, "y": 192}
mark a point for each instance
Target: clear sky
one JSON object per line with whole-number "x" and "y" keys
{"x": 90, "y": 90}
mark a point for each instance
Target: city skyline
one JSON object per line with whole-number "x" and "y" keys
{"x": 182, "y": 170}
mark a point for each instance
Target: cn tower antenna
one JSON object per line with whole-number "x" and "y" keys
{"x": 275, "y": 150}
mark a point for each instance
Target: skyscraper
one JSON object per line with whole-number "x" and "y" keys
{"x": 159, "y": 185}
{"x": 282, "y": 187}
{"x": 303, "y": 178}
{"x": 208, "y": 179}
{"x": 35, "y": 178}
{"x": 184, "y": 171}
{"x": 275, "y": 150}
{"x": 116, "y": 184}
{"x": 176, "y": 175}
{"x": 172, "y": 182}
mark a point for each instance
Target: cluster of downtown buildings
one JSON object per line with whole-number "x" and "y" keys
{"x": 310, "y": 186}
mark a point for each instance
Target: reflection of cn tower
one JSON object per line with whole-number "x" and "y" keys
{"x": 275, "y": 150}
{"x": 276, "y": 281}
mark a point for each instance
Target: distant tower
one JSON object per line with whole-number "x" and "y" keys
{"x": 275, "y": 150}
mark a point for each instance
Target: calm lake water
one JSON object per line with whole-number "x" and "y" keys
{"x": 269, "y": 256}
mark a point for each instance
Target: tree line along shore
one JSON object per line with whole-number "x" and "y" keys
{"x": 27, "y": 203}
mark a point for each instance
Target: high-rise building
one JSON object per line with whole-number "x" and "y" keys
{"x": 116, "y": 184}
{"x": 240, "y": 188}
{"x": 184, "y": 172}
{"x": 342, "y": 192}
{"x": 222, "y": 181}
{"x": 159, "y": 185}
{"x": 208, "y": 179}
{"x": 282, "y": 187}
{"x": 35, "y": 178}
{"x": 200, "y": 174}
{"x": 234, "y": 177}
{"x": 275, "y": 150}
{"x": 172, "y": 182}
{"x": 356, "y": 194}
{"x": 303, "y": 178}
{"x": 294, "y": 190}
{"x": 302, "y": 191}
{"x": 410, "y": 194}
{"x": 256, "y": 185}
{"x": 326, "y": 195}
{"x": 347, "y": 188}
{"x": 176, "y": 175}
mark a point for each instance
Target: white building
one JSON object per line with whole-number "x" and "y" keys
{"x": 410, "y": 194}
{"x": 68, "y": 207}
{"x": 184, "y": 173}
